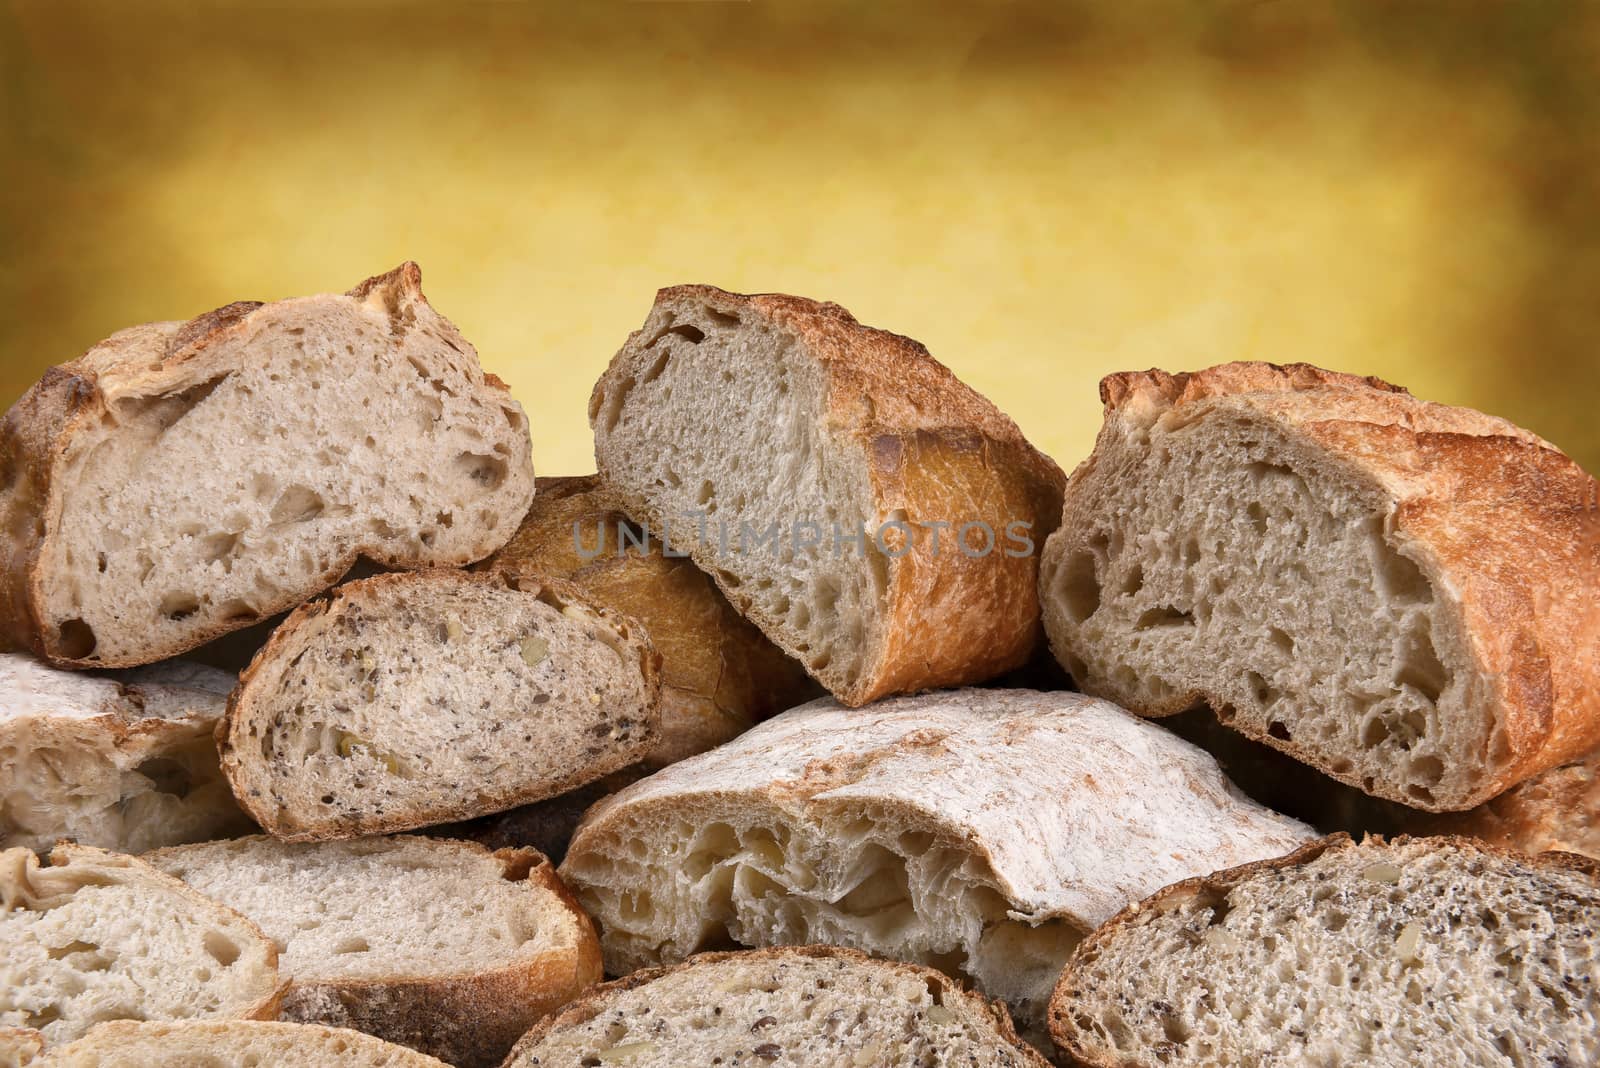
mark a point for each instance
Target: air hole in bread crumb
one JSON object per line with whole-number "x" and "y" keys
{"x": 487, "y": 471}
{"x": 181, "y": 605}
{"x": 167, "y": 776}
{"x": 354, "y": 944}
{"x": 224, "y": 950}
{"x": 297, "y": 504}
{"x": 214, "y": 547}
{"x": 1078, "y": 585}
{"x": 692, "y": 334}
{"x": 1163, "y": 616}
{"x": 1278, "y": 730}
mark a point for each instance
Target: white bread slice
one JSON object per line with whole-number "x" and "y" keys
{"x": 231, "y": 1044}
{"x": 438, "y": 945}
{"x": 429, "y": 696}
{"x": 811, "y": 1006}
{"x": 1420, "y": 951}
{"x": 182, "y": 480}
{"x": 98, "y": 936}
{"x": 851, "y": 446}
{"x": 1400, "y": 594}
{"x": 980, "y": 831}
{"x": 123, "y": 760}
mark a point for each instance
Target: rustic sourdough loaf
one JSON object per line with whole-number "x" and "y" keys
{"x": 428, "y": 696}
{"x": 181, "y": 480}
{"x": 96, "y": 936}
{"x": 801, "y": 1006}
{"x": 980, "y": 831}
{"x": 231, "y": 1044}
{"x": 441, "y": 946}
{"x": 811, "y": 448}
{"x": 1399, "y": 593}
{"x": 123, "y": 760}
{"x": 1436, "y": 951}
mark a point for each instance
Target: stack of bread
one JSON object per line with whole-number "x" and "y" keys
{"x": 724, "y": 755}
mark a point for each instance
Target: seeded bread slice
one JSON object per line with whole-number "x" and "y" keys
{"x": 438, "y": 945}
{"x": 231, "y": 1044}
{"x": 96, "y": 936}
{"x": 424, "y": 697}
{"x": 1437, "y": 951}
{"x": 183, "y": 480}
{"x": 798, "y": 1006}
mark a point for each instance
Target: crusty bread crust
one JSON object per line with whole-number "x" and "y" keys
{"x": 132, "y": 1044}
{"x": 1555, "y": 810}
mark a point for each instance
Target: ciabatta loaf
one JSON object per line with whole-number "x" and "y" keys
{"x": 872, "y": 514}
{"x": 231, "y": 1044}
{"x": 182, "y": 480}
{"x": 441, "y": 946}
{"x": 810, "y": 1005}
{"x": 123, "y": 760}
{"x": 980, "y": 831}
{"x": 1401, "y": 594}
{"x": 1422, "y": 951}
{"x": 96, "y": 936}
{"x": 429, "y": 696}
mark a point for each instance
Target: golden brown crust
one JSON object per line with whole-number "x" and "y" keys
{"x": 1556, "y": 810}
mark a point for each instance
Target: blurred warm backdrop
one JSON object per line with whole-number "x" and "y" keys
{"x": 1041, "y": 192}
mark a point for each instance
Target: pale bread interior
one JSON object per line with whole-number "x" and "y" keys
{"x": 232, "y": 1044}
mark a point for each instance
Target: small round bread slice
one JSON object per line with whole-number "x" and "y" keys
{"x": 795, "y": 1006}
{"x": 438, "y": 945}
{"x": 231, "y": 1044}
{"x": 1438, "y": 951}
{"x": 96, "y": 936}
{"x": 418, "y": 698}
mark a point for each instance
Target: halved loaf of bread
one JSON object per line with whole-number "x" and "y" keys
{"x": 231, "y": 1044}
{"x": 429, "y": 696}
{"x": 438, "y": 945}
{"x": 719, "y": 674}
{"x": 1419, "y": 951}
{"x": 811, "y": 1005}
{"x": 980, "y": 831}
{"x": 872, "y": 514}
{"x": 1399, "y": 593}
{"x": 124, "y": 760}
{"x": 181, "y": 480}
{"x": 96, "y": 936}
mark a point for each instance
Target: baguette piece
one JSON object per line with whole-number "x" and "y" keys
{"x": 122, "y": 760}
{"x": 183, "y": 480}
{"x": 811, "y": 1005}
{"x": 231, "y": 1044}
{"x": 1416, "y": 951}
{"x": 872, "y": 514}
{"x": 441, "y": 946}
{"x": 1400, "y": 594}
{"x": 96, "y": 936}
{"x": 980, "y": 831}
{"x": 719, "y": 674}
{"x": 424, "y": 697}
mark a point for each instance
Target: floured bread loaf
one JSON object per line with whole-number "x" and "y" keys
{"x": 872, "y": 514}
{"x": 123, "y": 760}
{"x": 1423, "y": 951}
{"x": 980, "y": 831}
{"x": 182, "y": 480}
{"x": 232, "y": 1044}
{"x": 429, "y": 696}
{"x": 1398, "y": 593}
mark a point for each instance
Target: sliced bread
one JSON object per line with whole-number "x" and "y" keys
{"x": 1401, "y": 594}
{"x": 123, "y": 760}
{"x": 429, "y": 696}
{"x": 182, "y": 480}
{"x": 801, "y": 1006}
{"x": 871, "y": 513}
{"x": 231, "y": 1044}
{"x": 437, "y": 945}
{"x": 719, "y": 674}
{"x": 1436, "y": 951}
{"x": 980, "y": 831}
{"x": 94, "y": 936}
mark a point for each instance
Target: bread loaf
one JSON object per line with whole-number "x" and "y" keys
{"x": 231, "y": 1044}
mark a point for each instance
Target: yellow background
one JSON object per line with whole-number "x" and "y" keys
{"x": 1041, "y": 193}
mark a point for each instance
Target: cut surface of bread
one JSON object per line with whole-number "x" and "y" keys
{"x": 1436, "y": 951}
{"x": 231, "y": 1044}
{"x": 430, "y": 696}
{"x": 980, "y": 831}
{"x": 438, "y": 945}
{"x": 719, "y": 674}
{"x": 802, "y": 1006}
{"x": 123, "y": 760}
{"x": 182, "y": 480}
{"x": 95, "y": 936}
{"x": 1398, "y": 593}
{"x": 853, "y": 498}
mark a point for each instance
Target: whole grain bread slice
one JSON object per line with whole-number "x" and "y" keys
{"x": 231, "y": 1044}
{"x": 183, "y": 480}
{"x": 425, "y": 697}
